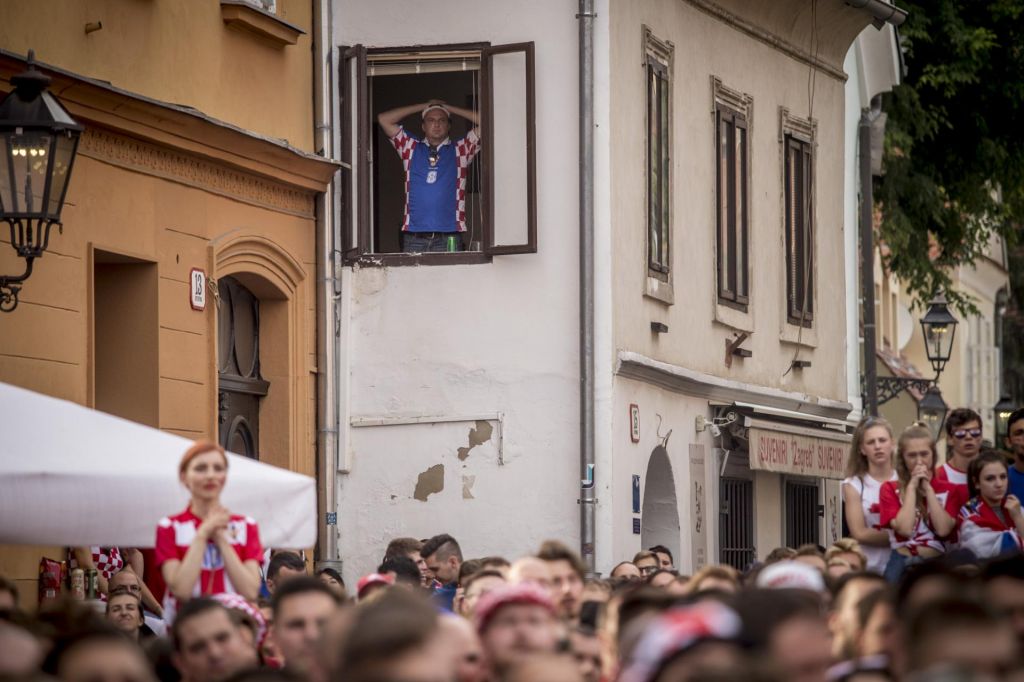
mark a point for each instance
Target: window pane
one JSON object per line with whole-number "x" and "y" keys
{"x": 653, "y": 171}
{"x": 732, "y": 205}
{"x": 740, "y": 230}
{"x": 808, "y": 228}
{"x": 663, "y": 137}
{"x": 509, "y": 156}
{"x": 790, "y": 194}
{"x": 723, "y": 206}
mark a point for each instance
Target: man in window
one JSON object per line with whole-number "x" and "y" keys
{"x": 435, "y": 174}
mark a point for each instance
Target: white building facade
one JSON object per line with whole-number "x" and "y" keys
{"x": 721, "y": 329}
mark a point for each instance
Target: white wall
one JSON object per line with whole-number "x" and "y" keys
{"x": 470, "y": 340}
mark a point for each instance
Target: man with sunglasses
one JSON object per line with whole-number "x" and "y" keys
{"x": 963, "y": 442}
{"x": 435, "y": 174}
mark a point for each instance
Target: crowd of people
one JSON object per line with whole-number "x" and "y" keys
{"x": 927, "y": 585}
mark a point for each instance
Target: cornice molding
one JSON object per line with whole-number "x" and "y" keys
{"x": 770, "y": 39}
{"x": 194, "y": 171}
{"x": 691, "y": 382}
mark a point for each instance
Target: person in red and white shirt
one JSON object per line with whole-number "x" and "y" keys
{"x": 963, "y": 437}
{"x": 916, "y": 508}
{"x": 207, "y": 550}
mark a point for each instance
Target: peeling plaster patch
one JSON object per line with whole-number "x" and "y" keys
{"x": 478, "y": 435}
{"x": 429, "y": 482}
{"x": 467, "y": 487}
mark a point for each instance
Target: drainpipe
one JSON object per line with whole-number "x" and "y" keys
{"x": 588, "y": 491}
{"x": 328, "y": 287}
{"x": 867, "y": 255}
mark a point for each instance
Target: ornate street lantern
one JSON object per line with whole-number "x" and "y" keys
{"x": 38, "y": 142}
{"x": 932, "y": 411}
{"x": 1003, "y": 409}
{"x": 938, "y": 326}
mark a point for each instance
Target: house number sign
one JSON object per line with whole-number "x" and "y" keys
{"x": 197, "y": 289}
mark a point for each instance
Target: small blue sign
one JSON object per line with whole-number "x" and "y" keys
{"x": 636, "y": 526}
{"x": 636, "y": 494}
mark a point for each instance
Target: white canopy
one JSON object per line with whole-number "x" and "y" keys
{"x": 73, "y": 476}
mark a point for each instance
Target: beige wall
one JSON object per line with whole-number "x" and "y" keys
{"x": 181, "y": 52}
{"x": 154, "y": 193}
{"x": 706, "y": 46}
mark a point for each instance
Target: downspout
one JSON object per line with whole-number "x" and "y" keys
{"x": 587, "y": 498}
{"x": 867, "y": 255}
{"x": 327, "y": 289}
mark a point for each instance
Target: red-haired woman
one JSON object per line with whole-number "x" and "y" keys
{"x": 991, "y": 523}
{"x": 206, "y": 549}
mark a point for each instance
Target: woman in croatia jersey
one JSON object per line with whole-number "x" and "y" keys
{"x": 916, "y": 507}
{"x": 991, "y": 523}
{"x": 869, "y": 466}
{"x": 206, "y": 549}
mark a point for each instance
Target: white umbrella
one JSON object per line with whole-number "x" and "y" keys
{"x": 73, "y": 476}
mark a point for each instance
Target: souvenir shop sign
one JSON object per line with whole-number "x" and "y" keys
{"x": 799, "y": 453}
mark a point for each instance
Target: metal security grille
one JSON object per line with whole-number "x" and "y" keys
{"x": 736, "y": 525}
{"x": 802, "y": 511}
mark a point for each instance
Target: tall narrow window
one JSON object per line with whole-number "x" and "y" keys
{"x": 733, "y": 239}
{"x": 659, "y": 234}
{"x": 799, "y": 172}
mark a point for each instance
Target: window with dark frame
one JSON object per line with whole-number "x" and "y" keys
{"x": 496, "y": 81}
{"x": 733, "y": 233}
{"x": 799, "y": 196}
{"x": 659, "y": 229}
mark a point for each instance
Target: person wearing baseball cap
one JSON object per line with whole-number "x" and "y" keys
{"x": 435, "y": 174}
{"x": 513, "y": 622}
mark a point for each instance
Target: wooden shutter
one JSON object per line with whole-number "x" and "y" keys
{"x": 509, "y": 149}
{"x": 355, "y": 152}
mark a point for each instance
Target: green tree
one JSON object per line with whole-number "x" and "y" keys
{"x": 954, "y": 147}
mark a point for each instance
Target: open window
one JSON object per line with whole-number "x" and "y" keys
{"x": 496, "y": 192}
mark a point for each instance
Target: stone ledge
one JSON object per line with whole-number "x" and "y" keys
{"x": 247, "y": 17}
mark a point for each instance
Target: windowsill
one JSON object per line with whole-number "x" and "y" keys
{"x": 369, "y": 260}
{"x": 734, "y": 319}
{"x": 659, "y": 290}
{"x": 244, "y": 16}
{"x": 790, "y": 333}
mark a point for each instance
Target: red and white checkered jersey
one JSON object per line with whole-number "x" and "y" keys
{"x": 950, "y": 474}
{"x": 108, "y": 561}
{"x": 174, "y": 535}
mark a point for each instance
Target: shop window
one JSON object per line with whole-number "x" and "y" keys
{"x": 803, "y": 511}
{"x": 736, "y": 523}
{"x": 497, "y": 203}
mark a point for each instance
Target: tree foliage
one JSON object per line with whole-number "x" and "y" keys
{"x": 954, "y": 147}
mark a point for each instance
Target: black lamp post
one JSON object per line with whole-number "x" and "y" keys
{"x": 1003, "y": 409}
{"x": 38, "y": 142}
{"x": 938, "y": 327}
{"x": 932, "y": 410}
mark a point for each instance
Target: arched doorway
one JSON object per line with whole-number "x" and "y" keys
{"x": 660, "y": 513}
{"x": 240, "y": 385}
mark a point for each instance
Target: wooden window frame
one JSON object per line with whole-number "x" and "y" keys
{"x": 356, "y": 141}
{"x": 799, "y": 159}
{"x": 797, "y": 136}
{"x": 657, "y": 64}
{"x": 732, "y": 207}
